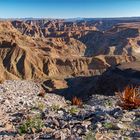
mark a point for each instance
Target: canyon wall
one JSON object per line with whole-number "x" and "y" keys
{"x": 41, "y": 49}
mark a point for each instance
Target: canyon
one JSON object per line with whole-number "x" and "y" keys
{"x": 47, "y": 63}
{"x": 69, "y": 57}
{"x": 44, "y": 49}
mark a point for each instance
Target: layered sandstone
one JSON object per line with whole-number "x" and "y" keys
{"x": 46, "y": 49}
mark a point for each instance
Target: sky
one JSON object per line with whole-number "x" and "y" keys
{"x": 69, "y": 8}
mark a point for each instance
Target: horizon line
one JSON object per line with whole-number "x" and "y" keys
{"x": 69, "y": 17}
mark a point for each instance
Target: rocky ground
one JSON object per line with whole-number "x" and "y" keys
{"x": 25, "y": 115}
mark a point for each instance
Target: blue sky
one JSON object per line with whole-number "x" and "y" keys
{"x": 69, "y": 8}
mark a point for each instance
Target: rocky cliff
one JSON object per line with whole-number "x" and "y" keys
{"x": 40, "y": 49}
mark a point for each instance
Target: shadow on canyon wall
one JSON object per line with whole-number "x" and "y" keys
{"x": 110, "y": 82}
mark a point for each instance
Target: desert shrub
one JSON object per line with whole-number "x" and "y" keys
{"x": 108, "y": 125}
{"x": 77, "y": 101}
{"x": 129, "y": 98}
{"x": 41, "y": 106}
{"x": 89, "y": 136}
{"x": 42, "y": 93}
{"x": 55, "y": 107}
{"x": 31, "y": 125}
{"x": 108, "y": 103}
{"x": 73, "y": 110}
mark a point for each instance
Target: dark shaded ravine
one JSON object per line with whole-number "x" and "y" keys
{"x": 114, "y": 79}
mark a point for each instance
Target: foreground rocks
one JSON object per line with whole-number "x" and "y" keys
{"x": 25, "y": 115}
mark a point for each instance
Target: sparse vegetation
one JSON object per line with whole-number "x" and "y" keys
{"x": 108, "y": 103}
{"x": 73, "y": 110}
{"x": 31, "y": 125}
{"x": 90, "y": 136}
{"x": 77, "y": 101}
{"x": 108, "y": 125}
{"x": 42, "y": 93}
{"x": 129, "y": 98}
{"x": 55, "y": 107}
{"x": 41, "y": 106}
{"x": 126, "y": 138}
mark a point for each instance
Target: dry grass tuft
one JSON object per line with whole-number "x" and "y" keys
{"x": 77, "y": 101}
{"x": 42, "y": 93}
{"x": 129, "y": 98}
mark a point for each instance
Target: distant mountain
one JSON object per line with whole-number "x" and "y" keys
{"x": 77, "y": 19}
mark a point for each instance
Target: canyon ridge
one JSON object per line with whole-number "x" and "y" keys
{"x": 67, "y": 54}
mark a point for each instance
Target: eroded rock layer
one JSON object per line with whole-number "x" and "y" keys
{"x": 40, "y": 49}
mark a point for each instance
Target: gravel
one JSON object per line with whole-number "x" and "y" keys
{"x": 99, "y": 118}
